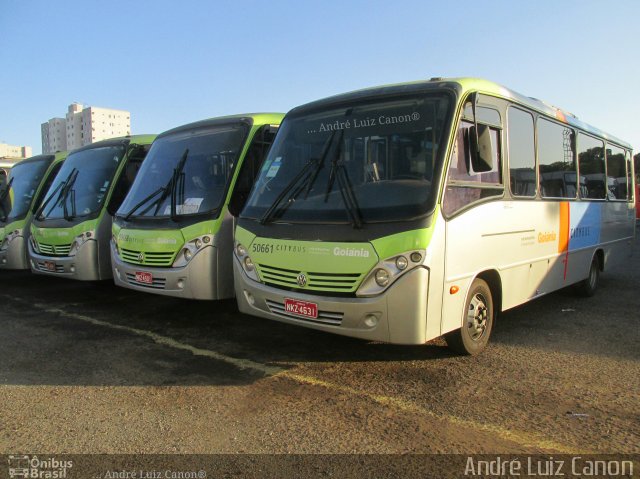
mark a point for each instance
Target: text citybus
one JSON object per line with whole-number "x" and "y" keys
{"x": 173, "y": 234}
{"x": 71, "y": 230}
{"x": 407, "y": 212}
{"x": 28, "y": 181}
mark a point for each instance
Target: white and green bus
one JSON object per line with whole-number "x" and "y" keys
{"x": 71, "y": 229}
{"x": 173, "y": 234}
{"x": 28, "y": 181}
{"x": 407, "y": 212}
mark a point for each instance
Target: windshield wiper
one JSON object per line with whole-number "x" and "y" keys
{"x": 61, "y": 187}
{"x": 308, "y": 182}
{"x": 178, "y": 178}
{"x": 339, "y": 172}
{"x": 3, "y": 196}
{"x": 129, "y": 213}
{"x": 68, "y": 191}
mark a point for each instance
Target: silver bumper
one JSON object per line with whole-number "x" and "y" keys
{"x": 400, "y": 312}
{"x": 196, "y": 280}
{"x": 14, "y": 256}
{"x": 83, "y": 266}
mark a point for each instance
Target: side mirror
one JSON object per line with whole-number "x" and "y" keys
{"x": 481, "y": 148}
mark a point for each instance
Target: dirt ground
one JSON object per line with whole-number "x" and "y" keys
{"x": 91, "y": 368}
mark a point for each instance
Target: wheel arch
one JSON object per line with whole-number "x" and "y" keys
{"x": 599, "y": 253}
{"x": 493, "y": 279}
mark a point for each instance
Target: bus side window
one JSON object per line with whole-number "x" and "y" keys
{"x": 135, "y": 157}
{"x": 591, "y": 165}
{"x": 557, "y": 168}
{"x": 522, "y": 155}
{"x": 616, "y": 173}
{"x": 257, "y": 152}
{"x": 464, "y": 185}
{"x": 45, "y": 187}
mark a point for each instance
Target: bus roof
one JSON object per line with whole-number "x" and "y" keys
{"x": 249, "y": 118}
{"x": 462, "y": 86}
{"x": 139, "y": 139}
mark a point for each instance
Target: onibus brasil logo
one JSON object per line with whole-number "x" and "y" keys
{"x": 34, "y": 467}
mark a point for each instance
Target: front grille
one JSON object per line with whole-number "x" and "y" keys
{"x": 42, "y": 267}
{"x": 324, "y": 317}
{"x": 54, "y": 249}
{"x": 337, "y": 282}
{"x": 157, "y": 283}
{"x": 149, "y": 258}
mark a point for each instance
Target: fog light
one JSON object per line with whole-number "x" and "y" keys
{"x": 72, "y": 269}
{"x": 4, "y": 260}
{"x": 416, "y": 257}
{"x": 180, "y": 284}
{"x": 250, "y": 299}
{"x": 370, "y": 321}
{"x": 382, "y": 277}
{"x": 401, "y": 263}
{"x": 248, "y": 264}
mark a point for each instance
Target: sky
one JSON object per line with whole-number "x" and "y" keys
{"x": 174, "y": 62}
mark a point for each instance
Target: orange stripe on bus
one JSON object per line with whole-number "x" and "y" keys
{"x": 563, "y": 237}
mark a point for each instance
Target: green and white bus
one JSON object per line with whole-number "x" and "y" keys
{"x": 71, "y": 229}
{"x": 408, "y": 212}
{"x": 19, "y": 200}
{"x": 173, "y": 235}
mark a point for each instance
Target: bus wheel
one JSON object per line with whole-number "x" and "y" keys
{"x": 473, "y": 337}
{"x": 588, "y": 286}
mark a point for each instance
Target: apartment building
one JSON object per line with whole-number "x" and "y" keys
{"x": 84, "y": 125}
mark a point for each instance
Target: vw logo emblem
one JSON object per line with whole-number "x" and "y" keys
{"x": 302, "y": 280}
{"x": 141, "y": 257}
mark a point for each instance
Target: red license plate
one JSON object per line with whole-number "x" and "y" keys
{"x": 50, "y": 265}
{"x": 144, "y": 277}
{"x": 301, "y": 308}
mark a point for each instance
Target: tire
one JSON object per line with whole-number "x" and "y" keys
{"x": 478, "y": 319}
{"x": 588, "y": 286}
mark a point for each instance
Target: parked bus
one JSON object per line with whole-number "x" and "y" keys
{"x": 19, "y": 199}
{"x": 71, "y": 229}
{"x": 173, "y": 234}
{"x": 408, "y": 212}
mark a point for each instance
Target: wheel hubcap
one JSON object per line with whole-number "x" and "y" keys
{"x": 477, "y": 317}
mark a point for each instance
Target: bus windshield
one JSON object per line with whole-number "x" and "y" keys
{"x": 21, "y": 186}
{"x": 80, "y": 188}
{"x": 186, "y": 172}
{"x": 371, "y": 161}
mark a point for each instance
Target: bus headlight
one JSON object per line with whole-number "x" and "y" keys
{"x": 114, "y": 242}
{"x": 190, "y": 249}
{"x": 245, "y": 260}
{"x": 248, "y": 264}
{"x": 402, "y": 263}
{"x": 382, "y": 277}
{"x": 80, "y": 240}
{"x": 34, "y": 244}
{"x": 387, "y": 271}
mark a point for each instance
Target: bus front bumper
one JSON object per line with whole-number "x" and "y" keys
{"x": 398, "y": 315}
{"x": 196, "y": 280}
{"x": 14, "y": 256}
{"x": 82, "y": 266}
